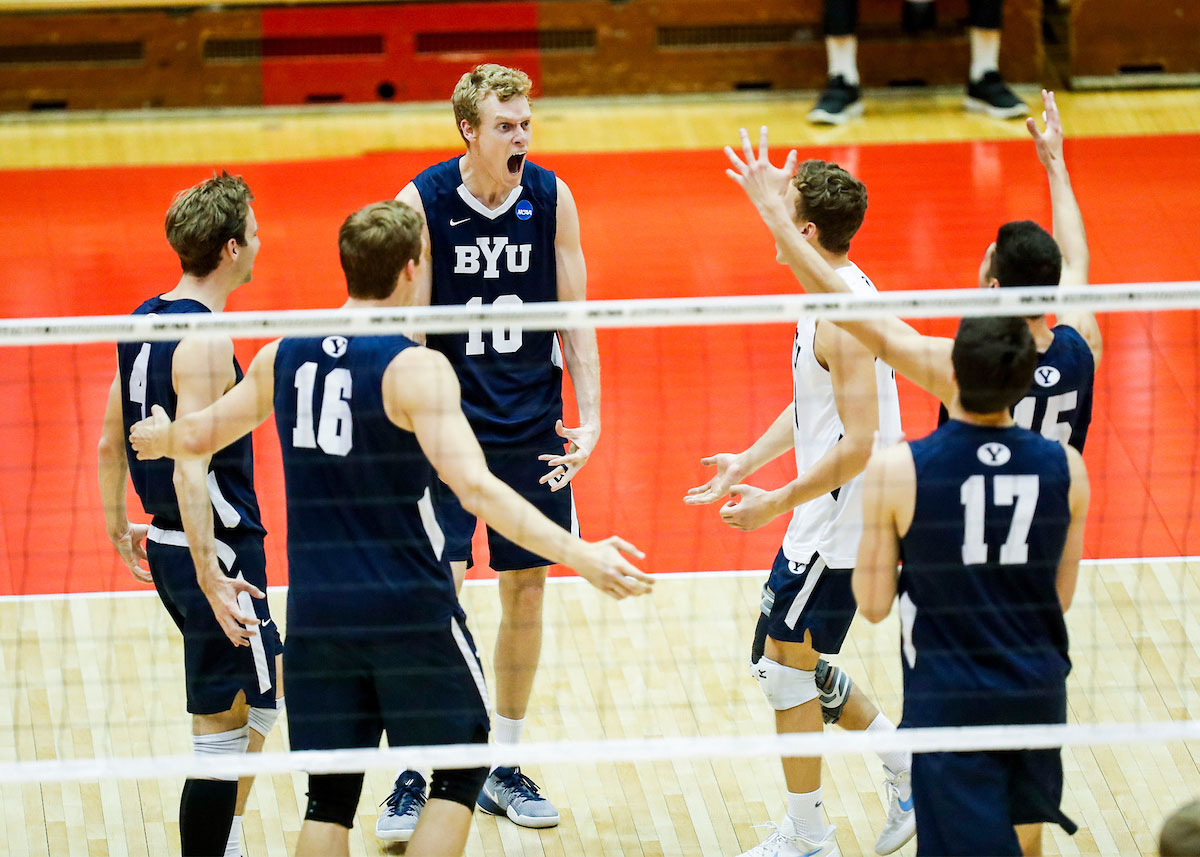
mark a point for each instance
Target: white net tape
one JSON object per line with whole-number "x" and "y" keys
{"x": 658, "y": 312}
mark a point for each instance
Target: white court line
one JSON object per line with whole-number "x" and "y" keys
{"x": 666, "y": 575}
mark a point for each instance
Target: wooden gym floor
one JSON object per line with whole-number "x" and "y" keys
{"x": 81, "y": 202}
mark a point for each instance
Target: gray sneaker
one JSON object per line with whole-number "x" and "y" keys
{"x": 403, "y": 807}
{"x": 511, "y": 793}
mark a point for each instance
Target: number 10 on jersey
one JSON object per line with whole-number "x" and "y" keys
{"x": 505, "y": 340}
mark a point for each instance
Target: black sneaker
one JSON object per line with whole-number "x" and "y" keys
{"x": 992, "y": 96}
{"x": 918, "y": 17}
{"x": 838, "y": 104}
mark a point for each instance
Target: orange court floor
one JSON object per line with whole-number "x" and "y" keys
{"x": 657, "y": 221}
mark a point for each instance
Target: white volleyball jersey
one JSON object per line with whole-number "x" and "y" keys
{"x": 830, "y": 525}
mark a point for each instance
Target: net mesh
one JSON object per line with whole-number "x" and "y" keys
{"x": 644, "y": 722}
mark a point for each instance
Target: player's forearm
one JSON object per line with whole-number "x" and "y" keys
{"x": 113, "y": 473}
{"x": 1069, "y": 230}
{"x": 581, "y": 354}
{"x": 845, "y": 459}
{"x": 196, "y": 514}
{"x": 774, "y": 442}
{"x": 516, "y": 519}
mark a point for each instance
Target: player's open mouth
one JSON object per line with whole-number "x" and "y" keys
{"x": 515, "y": 163}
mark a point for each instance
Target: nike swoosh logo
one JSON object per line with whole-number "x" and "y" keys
{"x": 812, "y": 853}
{"x": 265, "y": 622}
{"x": 907, "y": 805}
{"x": 458, "y": 222}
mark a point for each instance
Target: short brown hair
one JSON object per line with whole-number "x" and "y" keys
{"x": 480, "y": 82}
{"x": 832, "y": 199}
{"x": 202, "y": 219}
{"x": 375, "y": 244}
{"x": 994, "y": 359}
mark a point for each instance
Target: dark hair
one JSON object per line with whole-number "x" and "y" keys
{"x": 1026, "y": 255}
{"x": 994, "y": 359}
{"x": 375, "y": 243}
{"x": 1180, "y": 836}
{"x": 202, "y": 220}
{"x": 832, "y": 199}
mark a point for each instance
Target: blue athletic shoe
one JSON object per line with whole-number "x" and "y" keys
{"x": 404, "y": 804}
{"x": 511, "y": 793}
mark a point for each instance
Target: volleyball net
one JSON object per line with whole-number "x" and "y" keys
{"x": 92, "y": 686}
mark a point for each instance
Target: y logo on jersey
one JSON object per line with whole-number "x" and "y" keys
{"x": 1046, "y": 376}
{"x": 994, "y": 454}
{"x": 334, "y": 346}
{"x": 467, "y": 258}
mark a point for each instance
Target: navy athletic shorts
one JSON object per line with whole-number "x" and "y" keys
{"x": 419, "y": 685}
{"x": 967, "y": 803}
{"x": 808, "y": 597}
{"x": 517, "y": 466}
{"x": 214, "y": 669}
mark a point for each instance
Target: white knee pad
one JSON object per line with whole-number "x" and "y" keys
{"x": 784, "y": 687}
{"x": 222, "y": 744}
{"x": 262, "y": 720}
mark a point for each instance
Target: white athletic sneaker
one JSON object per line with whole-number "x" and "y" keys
{"x": 901, "y": 823}
{"x": 398, "y": 821}
{"x": 785, "y": 842}
{"x": 509, "y": 792}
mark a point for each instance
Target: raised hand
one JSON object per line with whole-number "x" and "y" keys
{"x": 1049, "y": 143}
{"x": 581, "y": 442}
{"x": 609, "y": 571}
{"x": 729, "y": 473}
{"x": 765, "y": 184}
{"x": 148, "y": 437}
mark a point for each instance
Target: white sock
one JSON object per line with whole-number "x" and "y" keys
{"x": 842, "y": 55}
{"x": 896, "y": 760}
{"x": 233, "y": 848}
{"x": 985, "y": 52}
{"x": 807, "y": 814}
{"x": 505, "y": 730}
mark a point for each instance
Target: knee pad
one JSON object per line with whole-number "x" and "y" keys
{"x": 229, "y": 743}
{"x": 333, "y": 798}
{"x": 760, "y": 639}
{"x": 262, "y": 720}
{"x": 833, "y": 685}
{"x": 460, "y": 786}
{"x": 784, "y": 687}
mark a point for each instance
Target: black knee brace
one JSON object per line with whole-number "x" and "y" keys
{"x": 833, "y": 687}
{"x": 760, "y": 639}
{"x": 333, "y": 798}
{"x": 985, "y": 14}
{"x": 460, "y": 786}
{"x": 841, "y": 17}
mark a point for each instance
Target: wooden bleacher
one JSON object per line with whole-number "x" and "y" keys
{"x": 105, "y": 54}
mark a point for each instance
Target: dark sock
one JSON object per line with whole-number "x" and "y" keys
{"x": 205, "y": 816}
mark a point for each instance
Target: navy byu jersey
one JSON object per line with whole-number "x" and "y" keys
{"x": 1059, "y": 404}
{"x": 982, "y": 630}
{"x": 364, "y": 547}
{"x": 511, "y": 378}
{"x": 145, "y": 370}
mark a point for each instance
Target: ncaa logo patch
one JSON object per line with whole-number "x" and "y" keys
{"x": 524, "y": 210}
{"x": 1046, "y": 376}
{"x": 993, "y": 454}
{"x": 334, "y": 346}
